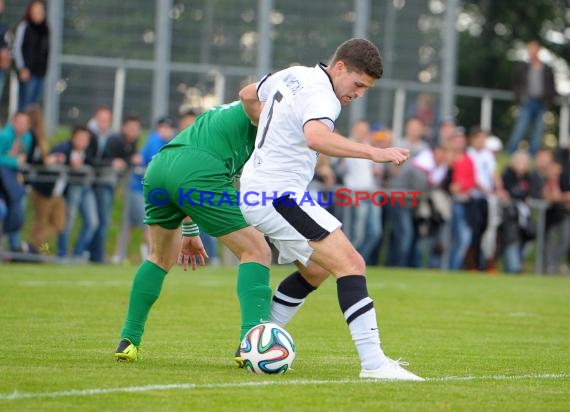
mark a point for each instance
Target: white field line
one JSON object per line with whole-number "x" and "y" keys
{"x": 14, "y": 396}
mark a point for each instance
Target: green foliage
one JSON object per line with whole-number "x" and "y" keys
{"x": 319, "y": 35}
{"x": 110, "y": 28}
{"x": 484, "y": 55}
{"x": 60, "y": 325}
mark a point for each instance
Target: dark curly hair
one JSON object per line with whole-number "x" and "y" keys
{"x": 360, "y": 55}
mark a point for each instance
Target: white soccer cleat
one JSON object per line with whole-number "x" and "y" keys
{"x": 390, "y": 370}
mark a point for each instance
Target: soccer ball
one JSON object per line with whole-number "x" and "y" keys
{"x": 267, "y": 349}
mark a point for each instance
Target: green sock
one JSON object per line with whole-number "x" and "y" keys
{"x": 254, "y": 295}
{"x": 144, "y": 292}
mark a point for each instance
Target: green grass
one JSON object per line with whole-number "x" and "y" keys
{"x": 59, "y": 326}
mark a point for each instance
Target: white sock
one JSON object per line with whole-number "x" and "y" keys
{"x": 364, "y": 331}
{"x": 283, "y": 308}
{"x": 289, "y": 297}
{"x": 359, "y": 313}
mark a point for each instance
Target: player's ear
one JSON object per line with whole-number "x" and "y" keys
{"x": 339, "y": 66}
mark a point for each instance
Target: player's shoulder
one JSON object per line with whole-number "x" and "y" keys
{"x": 315, "y": 76}
{"x": 309, "y": 77}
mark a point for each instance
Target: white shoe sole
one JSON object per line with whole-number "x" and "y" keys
{"x": 364, "y": 374}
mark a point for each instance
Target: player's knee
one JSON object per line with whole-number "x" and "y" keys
{"x": 165, "y": 262}
{"x": 355, "y": 264}
{"x": 258, "y": 252}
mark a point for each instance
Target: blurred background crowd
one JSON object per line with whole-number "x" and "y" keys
{"x": 91, "y": 90}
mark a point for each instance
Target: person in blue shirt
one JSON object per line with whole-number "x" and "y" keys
{"x": 15, "y": 144}
{"x": 162, "y": 134}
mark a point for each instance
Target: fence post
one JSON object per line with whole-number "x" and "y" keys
{"x": 449, "y": 63}
{"x": 398, "y": 118}
{"x": 125, "y": 228}
{"x": 564, "y": 125}
{"x": 14, "y": 88}
{"x": 161, "y": 83}
{"x": 486, "y": 113}
{"x": 360, "y": 29}
{"x": 220, "y": 87}
{"x": 51, "y": 95}
{"x": 388, "y": 56}
{"x": 265, "y": 41}
{"x": 540, "y": 236}
{"x": 119, "y": 97}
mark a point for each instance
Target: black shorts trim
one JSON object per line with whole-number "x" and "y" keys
{"x": 299, "y": 219}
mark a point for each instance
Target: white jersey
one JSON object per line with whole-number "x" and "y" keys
{"x": 485, "y": 166}
{"x": 359, "y": 174}
{"x": 281, "y": 159}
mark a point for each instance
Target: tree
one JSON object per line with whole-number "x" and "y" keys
{"x": 494, "y": 30}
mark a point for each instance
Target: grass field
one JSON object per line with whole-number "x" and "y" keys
{"x": 484, "y": 343}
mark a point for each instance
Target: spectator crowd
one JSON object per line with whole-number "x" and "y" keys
{"x": 477, "y": 209}
{"x": 472, "y": 214}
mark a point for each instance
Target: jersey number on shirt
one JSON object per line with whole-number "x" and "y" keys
{"x": 276, "y": 97}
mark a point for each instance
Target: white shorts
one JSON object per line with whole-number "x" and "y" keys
{"x": 290, "y": 226}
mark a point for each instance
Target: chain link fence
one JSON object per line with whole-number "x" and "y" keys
{"x": 216, "y": 46}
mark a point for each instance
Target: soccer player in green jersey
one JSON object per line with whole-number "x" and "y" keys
{"x": 204, "y": 158}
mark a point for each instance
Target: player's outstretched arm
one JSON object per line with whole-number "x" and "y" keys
{"x": 251, "y": 104}
{"x": 322, "y": 140}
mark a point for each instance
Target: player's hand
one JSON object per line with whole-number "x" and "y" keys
{"x": 24, "y": 75}
{"x": 76, "y": 163}
{"x": 136, "y": 159}
{"x": 22, "y": 159}
{"x": 395, "y": 155}
{"x": 326, "y": 173}
{"x": 191, "y": 250}
{"x": 454, "y": 188}
{"x": 119, "y": 164}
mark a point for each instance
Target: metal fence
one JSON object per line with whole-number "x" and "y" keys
{"x": 87, "y": 175}
{"x": 155, "y": 57}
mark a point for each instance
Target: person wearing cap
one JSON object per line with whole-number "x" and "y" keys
{"x": 494, "y": 144}
{"x": 495, "y": 205}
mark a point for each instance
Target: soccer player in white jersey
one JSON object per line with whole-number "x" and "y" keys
{"x": 297, "y": 123}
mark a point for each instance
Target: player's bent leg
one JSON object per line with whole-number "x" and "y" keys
{"x": 248, "y": 245}
{"x": 336, "y": 254}
{"x": 146, "y": 287}
{"x": 164, "y": 246}
{"x": 254, "y": 293}
{"x": 294, "y": 289}
{"x": 313, "y": 273}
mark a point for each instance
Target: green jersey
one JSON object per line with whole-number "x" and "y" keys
{"x": 225, "y": 132}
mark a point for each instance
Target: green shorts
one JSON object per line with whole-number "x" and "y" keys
{"x": 182, "y": 182}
